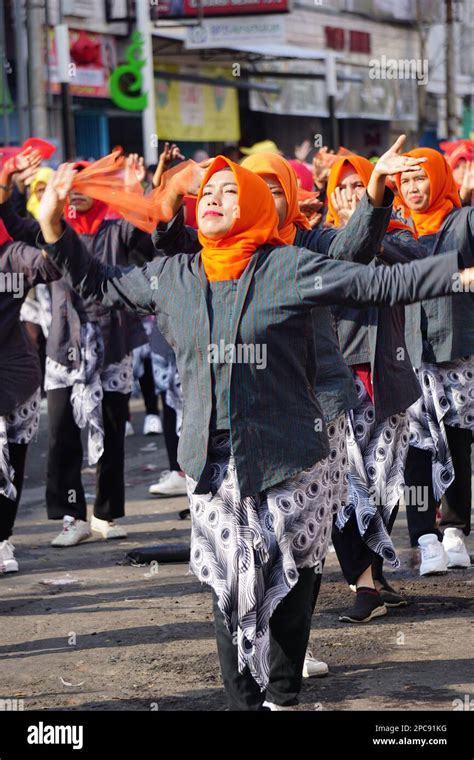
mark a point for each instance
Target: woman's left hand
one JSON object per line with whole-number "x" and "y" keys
{"x": 311, "y": 208}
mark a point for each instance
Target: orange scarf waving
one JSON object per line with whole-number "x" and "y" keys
{"x": 256, "y": 224}
{"x": 444, "y": 194}
{"x": 277, "y": 166}
{"x": 364, "y": 168}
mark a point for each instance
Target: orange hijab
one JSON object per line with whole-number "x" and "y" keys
{"x": 256, "y": 224}
{"x": 444, "y": 194}
{"x": 277, "y": 166}
{"x": 364, "y": 168}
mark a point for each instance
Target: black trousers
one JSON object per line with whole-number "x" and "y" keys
{"x": 9, "y": 508}
{"x": 290, "y": 627}
{"x": 64, "y": 490}
{"x": 456, "y": 510}
{"x": 169, "y": 433}
{"x": 147, "y": 385}
{"x": 353, "y": 553}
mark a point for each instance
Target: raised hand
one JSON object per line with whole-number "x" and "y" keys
{"x": 302, "y": 150}
{"x": 467, "y": 187}
{"x": 343, "y": 205}
{"x": 53, "y": 201}
{"x": 322, "y": 162}
{"x": 311, "y": 208}
{"x": 392, "y": 162}
{"x": 134, "y": 170}
{"x": 169, "y": 153}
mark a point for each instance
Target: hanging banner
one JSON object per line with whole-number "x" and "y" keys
{"x": 190, "y": 8}
{"x": 190, "y": 111}
{"x": 93, "y": 56}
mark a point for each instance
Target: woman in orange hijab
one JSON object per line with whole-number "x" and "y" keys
{"x": 253, "y": 445}
{"x": 442, "y": 421}
{"x": 373, "y": 344}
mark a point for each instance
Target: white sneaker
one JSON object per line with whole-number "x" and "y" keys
{"x": 455, "y": 548}
{"x": 129, "y": 429}
{"x": 152, "y": 425}
{"x": 313, "y": 668}
{"x": 433, "y": 556}
{"x": 170, "y": 484}
{"x": 107, "y": 529}
{"x": 8, "y": 563}
{"x": 273, "y": 707}
{"x": 73, "y": 532}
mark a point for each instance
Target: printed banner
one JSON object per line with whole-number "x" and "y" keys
{"x": 190, "y": 111}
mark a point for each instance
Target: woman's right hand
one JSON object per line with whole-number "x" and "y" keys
{"x": 343, "y": 205}
{"x": 53, "y": 201}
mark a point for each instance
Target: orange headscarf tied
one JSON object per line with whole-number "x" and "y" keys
{"x": 256, "y": 224}
{"x": 271, "y": 163}
{"x": 444, "y": 194}
{"x": 364, "y": 168}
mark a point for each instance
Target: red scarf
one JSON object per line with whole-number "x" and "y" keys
{"x": 86, "y": 222}
{"x": 4, "y": 236}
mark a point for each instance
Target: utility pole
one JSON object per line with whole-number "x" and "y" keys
{"x": 150, "y": 145}
{"x": 21, "y": 48}
{"x": 62, "y": 49}
{"x": 37, "y": 96}
{"x": 4, "y": 105}
{"x": 451, "y": 116}
{"x": 421, "y": 88}
{"x": 331, "y": 93}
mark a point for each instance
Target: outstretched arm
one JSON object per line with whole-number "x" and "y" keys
{"x": 175, "y": 237}
{"x": 133, "y": 288}
{"x": 320, "y": 280}
{"x": 18, "y": 228}
{"x": 33, "y": 265}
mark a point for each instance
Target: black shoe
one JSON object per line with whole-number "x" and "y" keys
{"x": 388, "y": 595}
{"x": 185, "y": 514}
{"x": 368, "y": 605}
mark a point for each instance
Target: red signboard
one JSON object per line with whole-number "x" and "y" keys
{"x": 190, "y": 8}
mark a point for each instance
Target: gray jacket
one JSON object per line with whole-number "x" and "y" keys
{"x": 21, "y": 268}
{"x": 376, "y": 336}
{"x": 115, "y": 242}
{"x": 276, "y": 423}
{"x": 328, "y": 372}
{"x": 447, "y": 324}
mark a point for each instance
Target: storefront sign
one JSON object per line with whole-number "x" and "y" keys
{"x": 93, "y": 56}
{"x": 190, "y": 111}
{"x": 127, "y": 94}
{"x": 223, "y": 32}
{"x": 189, "y": 8}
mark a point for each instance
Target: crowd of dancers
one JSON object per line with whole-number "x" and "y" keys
{"x": 308, "y": 332}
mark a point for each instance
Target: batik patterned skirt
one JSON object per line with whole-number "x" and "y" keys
{"x": 448, "y": 399}
{"x": 377, "y": 454}
{"x": 249, "y": 549}
{"x": 19, "y": 426}
{"x": 88, "y": 383}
